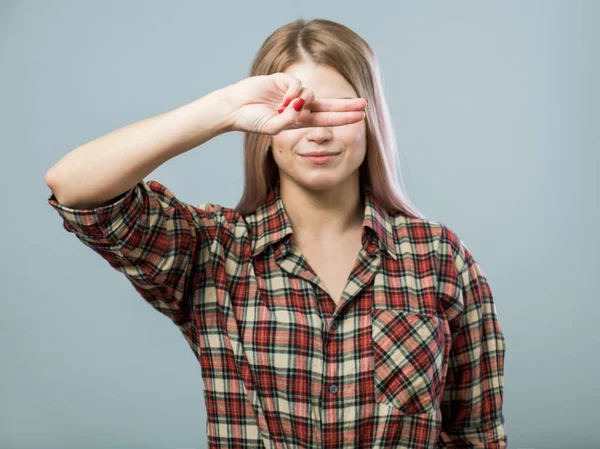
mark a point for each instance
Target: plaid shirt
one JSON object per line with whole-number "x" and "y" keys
{"x": 411, "y": 357}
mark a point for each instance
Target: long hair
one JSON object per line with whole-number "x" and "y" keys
{"x": 329, "y": 43}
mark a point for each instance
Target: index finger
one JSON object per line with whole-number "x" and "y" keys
{"x": 338, "y": 104}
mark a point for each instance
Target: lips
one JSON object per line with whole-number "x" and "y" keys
{"x": 320, "y": 158}
{"x": 319, "y": 154}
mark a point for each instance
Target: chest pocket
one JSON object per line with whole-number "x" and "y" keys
{"x": 408, "y": 352}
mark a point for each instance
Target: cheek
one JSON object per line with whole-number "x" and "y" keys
{"x": 359, "y": 131}
{"x": 352, "y": 134}
{"x": 355, "y": 139}
{"x": 287, "y": 139}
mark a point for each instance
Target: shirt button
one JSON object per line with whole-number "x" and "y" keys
{"x": 333, "y": 388}
{"x": 334, "y": 324}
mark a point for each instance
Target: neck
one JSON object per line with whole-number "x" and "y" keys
{"x": 324, "y": 213}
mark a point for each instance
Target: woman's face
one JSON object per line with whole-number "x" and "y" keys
{"x": 347, "y": 140}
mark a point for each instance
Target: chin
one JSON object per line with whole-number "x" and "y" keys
{"x": 319, "y": 183}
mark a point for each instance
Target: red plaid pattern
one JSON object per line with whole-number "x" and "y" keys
{"x": 411, "y": 357}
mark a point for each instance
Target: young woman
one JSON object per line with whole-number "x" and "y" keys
{"x": 325, "y": 310}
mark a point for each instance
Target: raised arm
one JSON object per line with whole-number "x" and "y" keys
{"x": 95, "y": 173}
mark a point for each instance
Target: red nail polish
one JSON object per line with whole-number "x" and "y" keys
{"x": 298, "y": 104}
{"x": 284, "y": 105}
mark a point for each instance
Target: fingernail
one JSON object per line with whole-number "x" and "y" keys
{"x": 298, "y": 104}
{"x": 284, "y": 105}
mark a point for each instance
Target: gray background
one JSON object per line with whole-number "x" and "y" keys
{"x": 495, "y": 106}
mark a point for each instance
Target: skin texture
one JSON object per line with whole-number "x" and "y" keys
{"x": 322, "y": 201}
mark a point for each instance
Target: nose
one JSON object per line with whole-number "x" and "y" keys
{"x": 319, "y": 135}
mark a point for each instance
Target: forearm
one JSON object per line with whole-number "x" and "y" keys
{"x": 98, "y": 171}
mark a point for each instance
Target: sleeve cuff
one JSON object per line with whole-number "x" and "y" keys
{"x": 100, "y": 222}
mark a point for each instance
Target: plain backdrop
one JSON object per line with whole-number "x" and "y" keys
{"x": 495, "y": 108}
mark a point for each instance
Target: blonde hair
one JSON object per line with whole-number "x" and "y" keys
{"x": 321, "y": 41}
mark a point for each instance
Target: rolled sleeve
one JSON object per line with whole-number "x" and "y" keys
{"x": 104, "y": 227}
{"x": 472, "y": 400}
{"x": 158, "y": 242}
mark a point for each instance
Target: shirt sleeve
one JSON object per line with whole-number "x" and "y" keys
{"x": 159, "y": 243}
{"x": 472, "y": 400}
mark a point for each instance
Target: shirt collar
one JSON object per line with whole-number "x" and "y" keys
{"x": 270, "y": 222}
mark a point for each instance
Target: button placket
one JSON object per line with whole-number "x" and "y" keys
{"x": 333, "y": 388}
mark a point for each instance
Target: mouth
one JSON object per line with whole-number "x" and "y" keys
{"x": 320, "y": 158}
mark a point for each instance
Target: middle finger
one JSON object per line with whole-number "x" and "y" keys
{"x": 338, "y": 104}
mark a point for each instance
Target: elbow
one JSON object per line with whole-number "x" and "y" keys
{"x": 52, "y": 183}
{"x": 50, "y": 177}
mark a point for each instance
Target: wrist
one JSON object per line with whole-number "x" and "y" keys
{"x": 227, "y": 107}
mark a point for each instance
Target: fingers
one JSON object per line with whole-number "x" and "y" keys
{"x": 316, "y": 113}
{"x": 295, "y": 113}
{"x": 338, "y": 104}
{"x": 327, "y": 104}
{"x": 294, "y": 87}
{"x": 305, "y": 97}
{"x": 296, "y": 90}
{"x": 334, "y": 118}
{"x": 289, "y": 116}
{"x": 328, "y": 111}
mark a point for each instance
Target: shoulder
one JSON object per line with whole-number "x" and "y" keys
{"x": 206, "y": 214}
{"x": 436, "y": 237}
{"x": 425, "y": 229}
